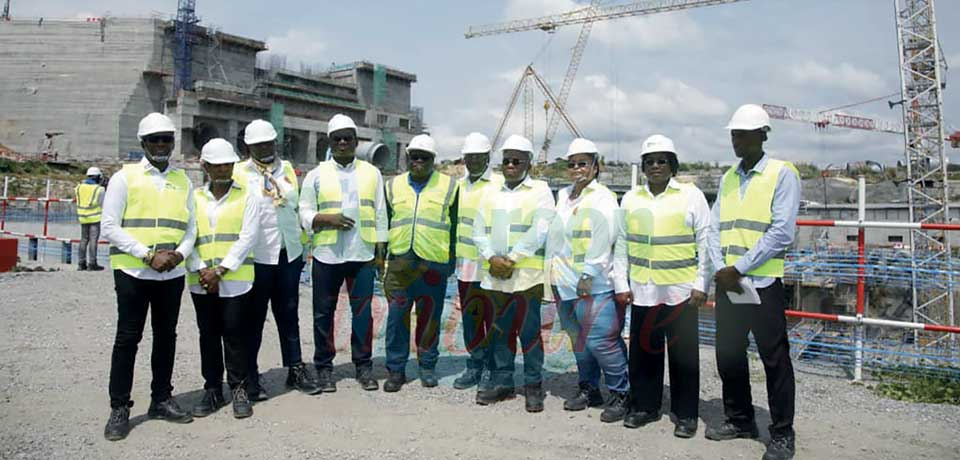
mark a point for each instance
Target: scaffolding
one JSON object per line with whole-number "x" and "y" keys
{"x": 183, "y": 51}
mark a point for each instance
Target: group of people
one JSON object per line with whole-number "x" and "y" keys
{"x": 239, "y": 241}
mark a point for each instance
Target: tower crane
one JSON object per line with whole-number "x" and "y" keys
{"x": 824, "y": 119}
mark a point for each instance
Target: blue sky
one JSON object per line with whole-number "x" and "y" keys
{"x": 680, "y": 74}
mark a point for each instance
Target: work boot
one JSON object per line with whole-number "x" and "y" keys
{"x": 211, "y": 402}
{"x": 728, "y": 430}
{"x": 533, "y": 396}
{"x": 366, "y": 380}
{"x": 616, "y": 407}
{"x": 686, "y": 428}
{"x": 325, "y": 380}
{"x": 639, "y": 419}
{"x": 780, "y": 448}
{"x": 94, "y": 267}
{"x": 395, "y": 381}
{"x": 168, "y": 410}
{"x": 81, "y": 266}
{"x": 468, "y": 378}
{"x": 255, "y": 392}
{"x": 242, "y": 408}
{"x": 488, "y": 396}
{"x": 588, "y": 396}
{"x": 118, "y": 425}
{"x": 428, "y": 378}
{"x": 299, "y": 377}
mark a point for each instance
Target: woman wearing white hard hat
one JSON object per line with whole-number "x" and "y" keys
{"x": 89, "y": 197}
{"x": 580, "y": 261}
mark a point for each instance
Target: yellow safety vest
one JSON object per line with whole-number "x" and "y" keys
{"x": 468, "y": 204}
{"x": 213, "y": 243}
{"x": 521, "y": 220}
{"x": 661, "y": 247}
{"x": 581, "y": 225}
{"x": 744, "y": 220}
{"x": 421, "y": 221}
{"x": 329, "y": 200}
{"x": 88, "y": 203}
{"x": 155, "y": 218}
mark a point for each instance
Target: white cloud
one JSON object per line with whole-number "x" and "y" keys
{"x": 845, "y": 76}
{"x": 307, "y": 46}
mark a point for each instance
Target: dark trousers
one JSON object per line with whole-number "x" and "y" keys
{"x": 476, "y": 311}
{"x": 516, "y": 315}
{"x": 223, "y": 325}
{"x": 327, "y": 280}
{"x": 769, "y": 327}
{"x": 89, "y": 235}
{"x": 411, "y": 280}
{"x": 280, "y": 286}
{"x": 134, "y": 298}
{"x": 670, "y": 330}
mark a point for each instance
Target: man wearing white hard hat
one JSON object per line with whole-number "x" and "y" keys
{"x": 475, "y": 307}
{"x": 221, "y": 274}
{"x": 278, "y": 256}
{"x": 662, "y": 260}
{"x": 89, "y": 198}
{"x": 343, "y": 205}
{"x": 753, "y": 224}
{"x": 148, "y": 218}
{"x": 510, "y": 230}
{"x": 579, "y": 256}
{"x": 422, "y": 205}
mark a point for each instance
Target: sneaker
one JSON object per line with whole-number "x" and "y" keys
{"x": 533, "y": 394}
{"x": 468, "y": 379}
{"x": 395, "y": 381}
{"x": 168, "y": 410}
{"x": 95, "y": 267}
{"x": 588, "y": 396}
{"x": 118, "y": 425}
{"x": 366, "y": 380}
{"x": 639, "y": 419}
{"x": 255, "y": 392}
{"x": 616, "y": 407}
{"x": 686, "y": 428}
{"x": 299, "y": 377}
{"x": 81, "y": 266}
{"x": 728, "y": 430}
{"x": 325, "y": 380}
{"x": 211, "y": 402}
{"x": 242, "y": 407}
{"x": 428, "y": 378}
{"x": 488, "y": 396}
{"x": 780, "y": 448}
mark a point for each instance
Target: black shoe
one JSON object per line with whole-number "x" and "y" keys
{"x": 366, "y": 380}
{"x": 118, "y": 425}
{"x": 299, "y": 377}
{"x": 686, "y": 428}
{"x": 780, "y": 448}
{"x": 490, "y": 396}
{"x": 255, "y": 392}
{"x": 395, "y": 381}
{"x": 468, "y": 379}
{"x": 325, "y": 380}
{"x": 95, "y": 267}
{"x": 242, "y": 407}
{"x": 81, "y": 267}
{"x": 533, "y": 395}
{"x": 428, "y": 378}
{"x": 616, "y": 407}
{"x": 639, "y": 419}
{"x": 727, "y": 431}
{"x": 168, "y": 410}
{"x": 588, "y": 396}
{"x": 211, "y": 402}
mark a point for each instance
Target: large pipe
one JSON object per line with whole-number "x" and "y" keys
{"x": 376, "y": 154}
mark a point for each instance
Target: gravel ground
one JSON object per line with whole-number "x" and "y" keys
{"x": 55, "y": 356}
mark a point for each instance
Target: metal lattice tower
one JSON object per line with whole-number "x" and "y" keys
{"x": 183, "y": 50}
{"x": 922, "y": 103}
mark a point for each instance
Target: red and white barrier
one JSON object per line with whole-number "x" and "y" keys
{"x": 46, "y": 238}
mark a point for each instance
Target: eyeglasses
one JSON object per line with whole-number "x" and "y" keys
{"x": 578, "y": 164}
{"x": 424, "y": 157}
{"x": 158, "y": 139}
{"x": 655, "y": 161}
{"x": 513, "y": 161}
{"x": 339, "y": 139}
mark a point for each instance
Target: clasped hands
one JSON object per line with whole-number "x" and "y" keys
{"x": 163, "y": 260}
{"x": 501, "y": 267}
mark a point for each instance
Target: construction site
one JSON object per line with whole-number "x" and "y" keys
{"x": 871, "y": 281}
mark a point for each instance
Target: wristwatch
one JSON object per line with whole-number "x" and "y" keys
{"x": 219, "y": 271}
{"x": 148, "y": 259}
{"x": 586, "y": 277}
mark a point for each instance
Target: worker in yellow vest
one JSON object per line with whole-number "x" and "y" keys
{"x": 148, "y": 218}
{"x": 475, "y": 307}
{"x": 343, "y": 204}
{"x": 753, "y": 224}
{"x": 221, "y": 277}
{"x": 277, "y": 256}
{"x": 422, "y": 205}
{"x": 510, "y": 231}
{"x": 89, "y": 197}
{"x": 579, "y": 260}
{"x": 663, "y": 252}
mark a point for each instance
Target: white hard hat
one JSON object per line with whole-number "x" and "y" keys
{"x": 517, "y": 142}
{"x": 581, "y": 145}
{"x": 218, "y": 151}
{"x": 422, "y": 142}
{"x": 340, "y": 121}
{"x": 155, "y": 123}
{"x": 94, "y": 171}
{"x": 476, "y": 143}
{"x": 259, "y": 131}
{"x": 657, "y": 143}
{"x": 750, "y": 117}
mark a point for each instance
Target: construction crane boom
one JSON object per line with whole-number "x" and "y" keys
{"x": 838, "y": 119}
{"x": 525, "y": 80}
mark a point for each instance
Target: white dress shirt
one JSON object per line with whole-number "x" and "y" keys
{"x": 279, "y": 225}
{"x": 468, "y": 270}
{"x": 651, "y": 294}
{"x": 350, "y": 246}
{"x": 115, "y": 203}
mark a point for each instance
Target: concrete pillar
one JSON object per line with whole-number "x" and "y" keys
{"x": 233, "y": 128}
{"x": 312, "y": 148}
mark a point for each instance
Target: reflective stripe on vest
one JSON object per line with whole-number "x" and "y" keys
{"x": 468, "y": 203}
{"x": 329, "y": 200}
{"x": 661, "y": 247}
{"x": 88, "y": 203}
{"x": 421, "y": 221}
{"x": 582, "y": 223}
{"x": 521, "y": 218}
{"x": 155, "y": 218}
{"x": 744, "y": 220}
{"x": 213, "y": 243}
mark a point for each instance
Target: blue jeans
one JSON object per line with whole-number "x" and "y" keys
{"x": 594, "y": 325}
{"x": 516, "y": 316}
{"x": 411, "y": 280}
{"x": 327, "y": 279}
{"x": 476, "y": 309}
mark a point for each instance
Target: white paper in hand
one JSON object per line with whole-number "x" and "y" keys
{"x": 750, "y": 295}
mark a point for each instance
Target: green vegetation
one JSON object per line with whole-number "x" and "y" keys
{"x": 905, "y": 384}
{"x": 807, "y": 170}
